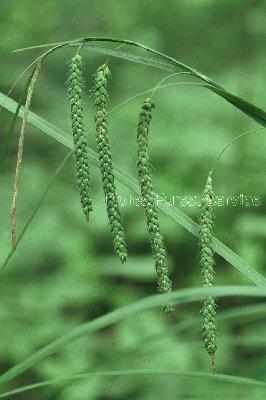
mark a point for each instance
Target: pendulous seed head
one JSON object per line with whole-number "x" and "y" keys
{"x": 144, "y": 174}
{"x": 75, "y": 85}
{"x": 102, "y": 77}
{"x": 208, "y": 309}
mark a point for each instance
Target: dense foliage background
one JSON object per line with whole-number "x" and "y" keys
{"x": 64, "y": 272}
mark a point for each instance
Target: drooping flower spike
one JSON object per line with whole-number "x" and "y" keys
{"x": 75, "y": 83}
{"x": 208, "y": 309}
{"x": 102, "y": 77}
{"x": 148, "y": 197}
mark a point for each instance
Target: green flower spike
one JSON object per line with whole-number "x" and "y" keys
{"x": 148, "y": 197}
{"x": 208, "y": 310}
{"x": 75, "y": 85}
{"x": 105, "y": 160}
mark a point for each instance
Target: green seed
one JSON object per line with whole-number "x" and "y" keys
{"x": 208, "y": 310}
{"x": 75, "y": 84}
{"x": 143, "y": 169}
{"x": 105, "y": 159}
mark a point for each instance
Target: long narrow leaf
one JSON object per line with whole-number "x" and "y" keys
{"x": 252, "y": 312}
{"x": 235, "y": 380}
{"x": 178, "y": 297}
{"x": 168, "y": 63}
{"x": 173, "y": 212}
{"x": 35, "y": 211}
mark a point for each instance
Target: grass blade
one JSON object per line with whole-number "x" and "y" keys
{"x": 173, "y": 212}
{"x": 181, "y": 296}
{"x": 235, "y": 380}
{"x": 166, "y": 62}
{"x": 35, "y": 211}
{"x": 251, "y": 313}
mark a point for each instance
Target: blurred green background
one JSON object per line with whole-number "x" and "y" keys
{"x": 64, "y": 272}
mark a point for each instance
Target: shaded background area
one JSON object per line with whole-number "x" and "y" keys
{"x": 64, "y": 272}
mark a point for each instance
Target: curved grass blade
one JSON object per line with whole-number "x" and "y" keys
{"x": 172, "y": 65}
{"x": 173, "y": 212}
{"x": 247, "y": 108}
{"x": 181, "y": 296}
{"x": 235, "y": 380}
{"x": 135, "y": 58}
{"x": 252, "y": 312}
{"x": 35, "y": 211}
